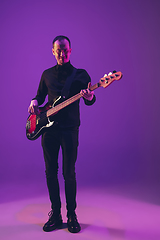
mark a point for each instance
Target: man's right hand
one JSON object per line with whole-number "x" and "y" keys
{"x": 33, "y": 107}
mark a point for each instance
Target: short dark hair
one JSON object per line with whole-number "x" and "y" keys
{"x": 61, "y": 37}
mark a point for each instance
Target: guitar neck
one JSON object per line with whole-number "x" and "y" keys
{"x": 64, "y": 104}
{"x": 104, "y": 82}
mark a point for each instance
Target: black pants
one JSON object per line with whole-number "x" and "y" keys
{"x": 52, "y": 139}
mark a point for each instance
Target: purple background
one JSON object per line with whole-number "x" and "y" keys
{"x": 120, "y": 133}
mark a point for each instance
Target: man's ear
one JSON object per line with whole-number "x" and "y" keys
{"x": 53, "y": 51}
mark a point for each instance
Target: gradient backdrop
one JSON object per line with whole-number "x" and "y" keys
{"x": 120, "y": 133}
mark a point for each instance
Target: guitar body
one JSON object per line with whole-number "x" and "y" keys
{"x": 36, "y": 124}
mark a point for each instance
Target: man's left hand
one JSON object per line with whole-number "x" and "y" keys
{"x": 87, "y": 94}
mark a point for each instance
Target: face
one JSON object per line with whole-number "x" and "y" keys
{"x": 61, "y": 51}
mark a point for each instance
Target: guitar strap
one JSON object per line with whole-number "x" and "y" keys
{"x": 69, "y": 80}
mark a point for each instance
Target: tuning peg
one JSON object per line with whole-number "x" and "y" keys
{"x": 114, "y": 71}
{"x": 105, "y": 75}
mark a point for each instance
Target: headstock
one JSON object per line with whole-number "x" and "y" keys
{"x": 108, "y": 79}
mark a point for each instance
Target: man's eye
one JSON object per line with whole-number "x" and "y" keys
{"x": 65, "y": 51}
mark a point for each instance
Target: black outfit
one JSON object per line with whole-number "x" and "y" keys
{"x": 64, "y": 133}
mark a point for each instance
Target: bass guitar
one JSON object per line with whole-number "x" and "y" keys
{"x": 36, "y": 124}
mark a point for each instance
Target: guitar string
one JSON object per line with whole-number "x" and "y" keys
{"x": 65, "y": 103}
{"x": 58, "y": 107}
{"x": 73, "y": 99}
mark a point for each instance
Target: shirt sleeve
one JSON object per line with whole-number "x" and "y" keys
{"x": 87, "y": 79}
{"x": 89, "y": 103}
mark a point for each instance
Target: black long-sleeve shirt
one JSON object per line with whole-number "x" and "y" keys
{"x": 52, "y": 83}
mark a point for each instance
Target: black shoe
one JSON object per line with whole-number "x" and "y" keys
{"x": 54, "y": 222}
{"x": 73, "y": 225}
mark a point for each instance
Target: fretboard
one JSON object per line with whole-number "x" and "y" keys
{"x": 67, "y": 102}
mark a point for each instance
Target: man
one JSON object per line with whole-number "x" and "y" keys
{"x": 55, "y": 82}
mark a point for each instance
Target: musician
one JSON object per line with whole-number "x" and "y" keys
{"x": 64, "y": 133}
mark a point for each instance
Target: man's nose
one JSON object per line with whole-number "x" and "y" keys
{"x": 62, "y": 53}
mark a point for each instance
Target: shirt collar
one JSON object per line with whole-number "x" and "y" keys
{"x": 65, "y": 67}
